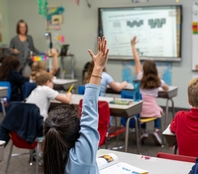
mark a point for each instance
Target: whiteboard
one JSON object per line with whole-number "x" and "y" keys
{"x": 157, "y": 30}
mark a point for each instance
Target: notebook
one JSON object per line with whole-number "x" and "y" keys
{"x": 121, "y": 102}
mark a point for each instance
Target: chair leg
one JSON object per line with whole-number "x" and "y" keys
{"x": 37, "y": 157}
{"x": 31, "y": 157}
{"x": 3, "y": 108}
{"x": 8, "y": 162}
{"x": 137, "y": 135}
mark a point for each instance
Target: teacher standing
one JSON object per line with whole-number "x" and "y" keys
{"x": 21, "y": 46}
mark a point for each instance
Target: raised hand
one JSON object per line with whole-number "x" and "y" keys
{"x": 134, "y": 41}
{"x": 100, "y": 59}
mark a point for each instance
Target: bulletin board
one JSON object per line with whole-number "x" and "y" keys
{"x": 195, "y": 36}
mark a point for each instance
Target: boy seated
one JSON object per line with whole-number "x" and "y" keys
{"x": 185, "y": 124}
{"x": 44, "y": 92}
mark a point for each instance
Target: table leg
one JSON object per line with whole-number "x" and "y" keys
{"x": 166, "y": 113}
{"x": 137, "y": 128}
{"x": 173, "y": 108}
{"x": 3, "y": 108}
{"x": 127, "y": 133}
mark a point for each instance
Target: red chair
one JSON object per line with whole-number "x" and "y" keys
{"x": 106, "y": 132}
{"x": 176, "y": 157}
{"x": 21, "y": 143}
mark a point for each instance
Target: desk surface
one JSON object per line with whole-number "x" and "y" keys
{"x": 76, "y": 99}
{"x": 64, "y": 81}
{"x": 153, "y": 165}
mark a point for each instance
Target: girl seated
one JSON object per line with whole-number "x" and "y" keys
{"x": 71, "y": 144}
{"x": 9, "y": 71}
{"x": 149, "y": 87}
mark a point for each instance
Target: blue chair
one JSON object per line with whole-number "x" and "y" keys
{"x": 81, "y": 89}
{"x": 7, "y": 98}
{"x": 27, "y": 88}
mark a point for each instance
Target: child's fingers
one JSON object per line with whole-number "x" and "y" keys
{"x": 91, "y": 53}
{"x": 106, "y": 53}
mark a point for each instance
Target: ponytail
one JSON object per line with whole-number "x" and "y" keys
{"x": 61, "y": 130}
{"x": 54, "y": 157}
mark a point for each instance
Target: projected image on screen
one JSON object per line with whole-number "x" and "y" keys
{"x": 157, "y": 30}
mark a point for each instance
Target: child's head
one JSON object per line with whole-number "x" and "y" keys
{"x": 150, "y": 77}
{"x": 61, "y": 131}
{"x": 8, "y": 64}
{"x": 89, "y": 72}
{"x": 44, "y": 78}
{"x": 193, "y": 92}
{"x": 36, "y": 67}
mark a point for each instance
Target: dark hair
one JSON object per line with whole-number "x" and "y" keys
{"x": 89, "y": 72}
{"x": 150, "y": 77}
{"x": 8, "y": 64}
{"x": 61, "y": 130}
{"x": 18, "y": 26}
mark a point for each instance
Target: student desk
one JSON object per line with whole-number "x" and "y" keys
{"x": 3, "y": 93}
{"x": 168, "y": 95}
{"x": 64, "y": 84}
{"x": 127, "y": 111}
{"x": 153, "y": 165}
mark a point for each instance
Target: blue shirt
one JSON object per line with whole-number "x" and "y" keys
{"x": 106, "y": 80}
{"x": 82, "y": 158}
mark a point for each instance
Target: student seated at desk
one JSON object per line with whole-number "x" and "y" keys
{"x": 185, "y": 124}
{"x": 40, "y": 65}
{"x": 71, "y": 144}
{"x": 9, "y": 71}
{"x": 106, "y": 80}
{"x": 149, "y": 86}
{"x": 44, "y": 92}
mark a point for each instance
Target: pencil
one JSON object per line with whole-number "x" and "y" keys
{"x": 71, "y": 87}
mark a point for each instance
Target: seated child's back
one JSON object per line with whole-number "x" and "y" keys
{"x": 44, "y": 92}
{"x": 185, "y": 124}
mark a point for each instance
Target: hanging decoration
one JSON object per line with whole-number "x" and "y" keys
{"x": 42, "y": 7}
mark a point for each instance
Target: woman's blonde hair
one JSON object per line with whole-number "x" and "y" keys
{"x": 36, "y": 68}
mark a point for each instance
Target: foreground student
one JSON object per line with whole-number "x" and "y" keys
{"x": 185, "y": 124}
{"x": 149, "y": 87}
{"x": 70, "y": 144}
{"x": 44, "y": 92}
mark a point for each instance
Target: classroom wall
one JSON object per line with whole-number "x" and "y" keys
{"x": 80, "y": 30}
{"x": 3, "y": 12}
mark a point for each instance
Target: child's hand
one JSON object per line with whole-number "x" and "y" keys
{"x": 100, "y": 59}
{"x": 124, "y": 83}
{"x": 134, "y": 41}
{"x": 54, "y": 52}
{"x": 69, "y": 96}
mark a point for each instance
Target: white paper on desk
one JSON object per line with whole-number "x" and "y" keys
{"x": 59, "y": 81}
{"x": 168, "y": 131}
{"x": 122, "y": 168}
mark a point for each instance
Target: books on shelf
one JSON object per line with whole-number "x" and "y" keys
{"x": 109, "y": 164}
{"x": 121, "y": 102}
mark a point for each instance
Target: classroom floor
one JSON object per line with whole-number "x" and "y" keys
{"x": 20, "y": 165}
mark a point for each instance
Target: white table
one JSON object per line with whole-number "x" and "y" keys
{"x": 64, "y": 83}
{"x": 168, "y": 95}
{"x": 153, "y": 165}
{"x": 127, "y": 111}
{"x": 3, "y": 93}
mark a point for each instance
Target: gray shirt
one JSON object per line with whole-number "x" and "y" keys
{"x": 24, "y": 48}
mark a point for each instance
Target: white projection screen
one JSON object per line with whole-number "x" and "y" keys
{"x": 158, "y": 31}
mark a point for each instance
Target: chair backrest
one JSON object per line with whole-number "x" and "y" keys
{"x": 21, "y": 143}
{"x": 104, "y": 119}
{"x": 128, "y": 94}
{"x": 7, "y": 84}
{"x": 27, "y": 88}
{"x": 176, "y": 157}
{"x": 81, "y": 89}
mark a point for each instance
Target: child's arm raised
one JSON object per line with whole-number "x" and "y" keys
{"x": 84, "y": 152}
{"x": 55, "y": 62}
{"x": 138, "y": 67}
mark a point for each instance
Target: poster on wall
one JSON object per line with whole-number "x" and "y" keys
{"x": 195, "y": 36}
{"x": 0, "y": 27}
{"x": 164, "y": 71}
{"x": 54, "y": 17}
